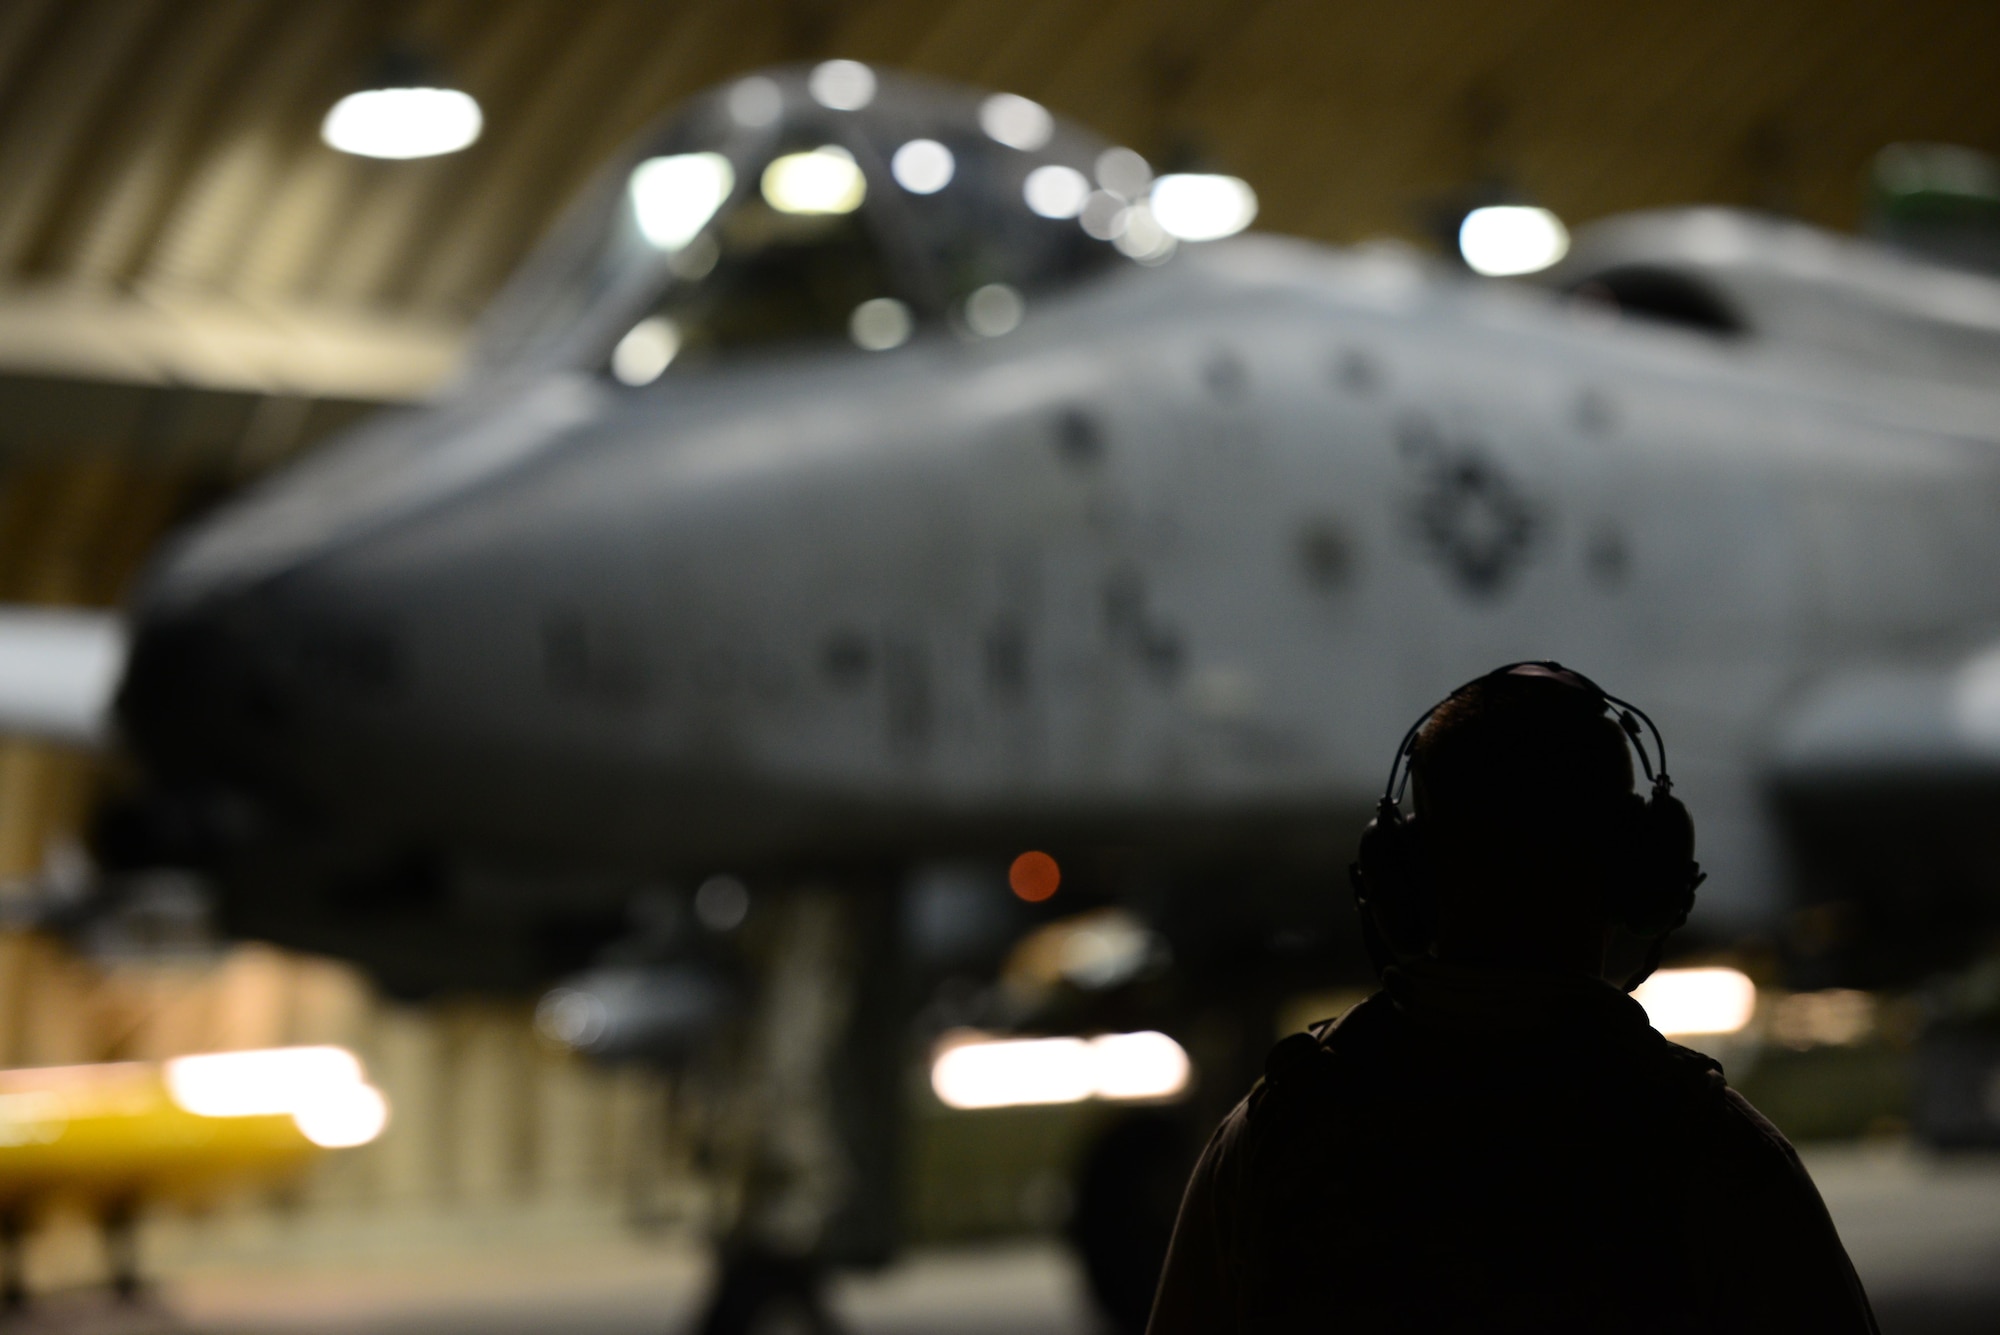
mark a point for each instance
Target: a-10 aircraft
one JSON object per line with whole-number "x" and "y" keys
{"x": 864, "y": 485}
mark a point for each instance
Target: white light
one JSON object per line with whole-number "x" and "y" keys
{"x": 1202, "y": 208}
{"x": 1016, "y": 122}
{"x": 881, "y": 324}
{"x": 722, "y": 903}
{"x": 826, "y": 180}
{"x": 1146, "y": 1065}
{"x": 756, "y": 101}
{"x": 572, "y": 1018}
{"x": 994, "y": 310}
{"x": 1104, "y": 215}
{"x": 1698, "y": 1001}
{"x": 922, "y": 166}
{"x": 1141, "y": 237}
{"x": 402, "y": 122}
{"x": 843, "y": 85}
{"x": 1014, "y": 1072}
{"x": 1511, "y": 239}
{"x": 674, "y": 197}
{"x": 343, "y": 1118}
{"x": 323, "y": 1090}
{"x": 1056, "y": 191}
{"x": 260, "y": 1083}
{"x": 59, "y": 669}
{"x": 1007, "y": 1073}
{"x": 647, "y": 349}
{"x": 1123, "y": 172}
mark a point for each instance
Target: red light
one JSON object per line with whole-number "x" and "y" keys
{"x": 1034, "y": 876}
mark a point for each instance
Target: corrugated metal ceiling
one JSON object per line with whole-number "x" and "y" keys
{"x": 173, "y": 145}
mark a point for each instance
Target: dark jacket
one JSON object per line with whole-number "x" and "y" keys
{"x": 1482, "y": 1151}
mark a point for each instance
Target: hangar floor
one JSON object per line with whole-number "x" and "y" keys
{"x": 1925, "y": 1233}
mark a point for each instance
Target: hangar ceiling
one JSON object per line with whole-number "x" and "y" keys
{"x": 170, "y": 199}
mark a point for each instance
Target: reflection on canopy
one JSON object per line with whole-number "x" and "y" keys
{"x": 817, "y": 204}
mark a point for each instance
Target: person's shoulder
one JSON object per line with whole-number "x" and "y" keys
{"x": 1729, "y": 1125}
{"x": 1307, "y": 1061}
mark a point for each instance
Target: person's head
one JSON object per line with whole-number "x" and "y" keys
{"x": 1524, "y": 795}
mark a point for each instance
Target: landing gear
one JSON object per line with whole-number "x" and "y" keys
{"x": 762, "y": 1293}
{"x": 13, "y": 1262}
{"x": 119, "y": 1225}
{"x": 1128, "y": 1194}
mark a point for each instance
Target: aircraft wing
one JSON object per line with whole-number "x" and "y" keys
{"x": 1931, "y": 725}
{"x": 59, "y": 669}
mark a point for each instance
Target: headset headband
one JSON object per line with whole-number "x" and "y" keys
{"x": 1628, "y": 718}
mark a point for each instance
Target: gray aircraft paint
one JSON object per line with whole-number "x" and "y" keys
{"x": 1194, "y": 543}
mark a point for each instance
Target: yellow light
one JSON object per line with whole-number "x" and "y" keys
{"x": 674, "y": 197}
{"x": 974, "y": 1072}
{"x": 1698, "y": 1001}
{"x": 824, "y": 181}
{"x": 402, "y": 122}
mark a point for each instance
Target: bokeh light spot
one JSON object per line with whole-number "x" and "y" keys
{"x": 1034, "y": 876}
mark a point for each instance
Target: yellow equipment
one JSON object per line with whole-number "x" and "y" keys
{"x": 117, "y": 1136}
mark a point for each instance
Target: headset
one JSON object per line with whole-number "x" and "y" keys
{"x": 1391, "y": 875}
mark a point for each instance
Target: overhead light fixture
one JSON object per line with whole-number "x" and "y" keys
{"x": 842, "y": 85}
{"x": 1013, "y": 120}
{"x": 1056, "y": 191}
{"x": 880, "y": 324}
{"x": 1503, "y": 240}
{"x": 825, "y": 180}
{"x": 403, "y": 112}
{"x": 1199, "y": 207}
{"x": 646, "y": 351}
{"x": 923, "y": 166}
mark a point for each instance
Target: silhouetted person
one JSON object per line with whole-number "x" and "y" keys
{"x": 1497, "y": 1141}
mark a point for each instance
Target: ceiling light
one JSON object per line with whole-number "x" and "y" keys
{"x": 1506, "y": 239}
{"x": 674, "y": 197}
{"x": 1195, "y": 207}
{"x": 755, "y": 101}
{"x": 994, "y": 310}
{"x": 646, "y": 351}
{"x": 880, "y": 325}
{"x": 826, "y": 180}
{"x": 402, "y": 122}
{"x": 1141, "y": 237}
{"x": 1016, "y": 122}
{"x": 923, "y": 166}
{"x": 1055, "y": 191}
{"x": 1123, "y": 172}
{"x": 842, "y": 85}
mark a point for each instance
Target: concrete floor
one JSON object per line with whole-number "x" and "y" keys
{"x": 1924, "y": 1233}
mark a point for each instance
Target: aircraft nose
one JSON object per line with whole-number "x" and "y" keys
{"x": 197, "y": 703}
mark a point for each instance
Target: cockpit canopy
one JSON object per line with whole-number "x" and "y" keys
{"x": 818, "y": 203}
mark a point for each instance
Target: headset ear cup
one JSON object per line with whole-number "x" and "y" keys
{"x": 1664, "y": 872}
{"x": 1391, "y": 881}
